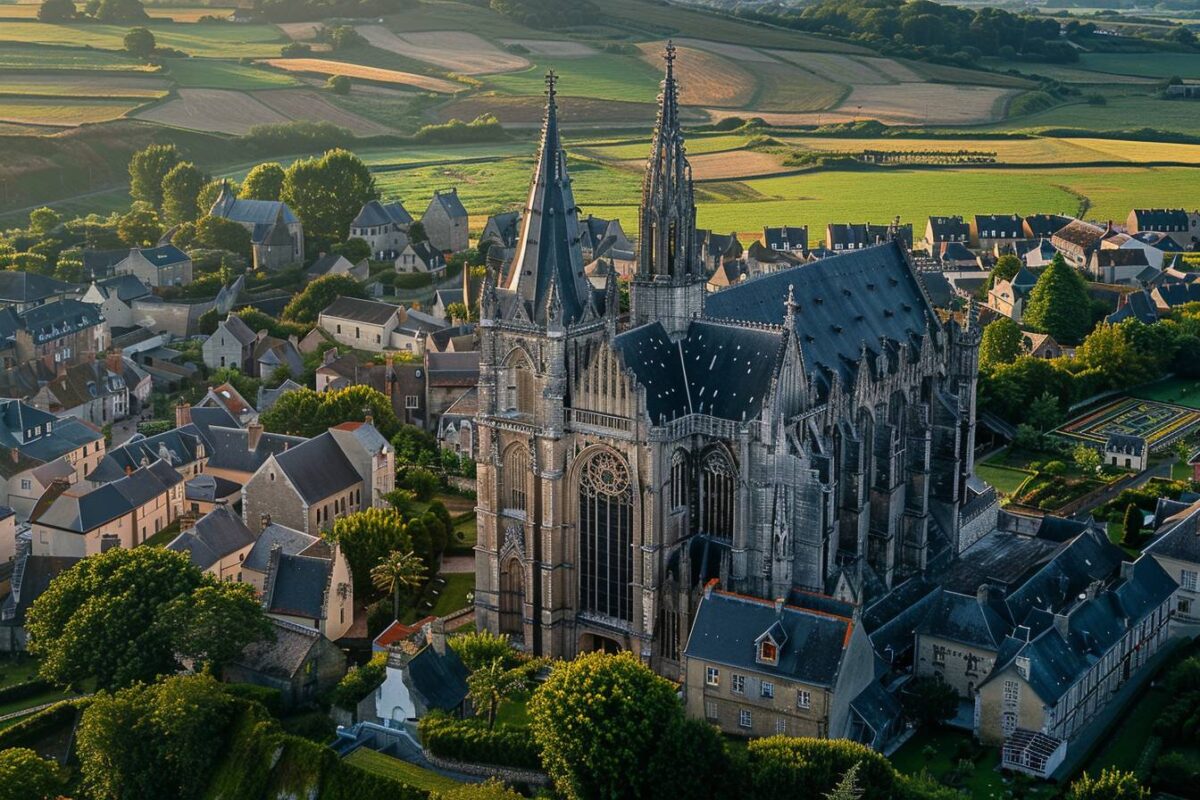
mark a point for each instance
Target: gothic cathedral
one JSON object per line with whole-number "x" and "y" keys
{"x": 810, "y": 430}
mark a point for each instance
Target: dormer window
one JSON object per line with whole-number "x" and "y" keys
{"x": 768, "y": 652}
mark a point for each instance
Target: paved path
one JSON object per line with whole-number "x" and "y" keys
{"x": 458, "y": 564}
{"x": 1162, "y": 470}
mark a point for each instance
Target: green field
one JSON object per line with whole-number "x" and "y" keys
{"x": 400, "y": 771}
{"x": 599, "y": 77}
{"x": 1122, "y": 112}
{"x": 62, "y": 112}
{"x": 1149, "y": 65}
{"x": 36, "y": 57}
{"x": 1180, "y": 391}
{"x": 196, "y": 73}
{"x": 1006, "y": 479}
{"x": 105, "y": 87}
{"x": 198, "y": 39}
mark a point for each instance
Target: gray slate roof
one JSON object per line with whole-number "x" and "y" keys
{"x": 290, "y": 541}
{"x": 297, "y": 586}
{"x": 441, "y": 679}
{"x": 376, "y": 213}
{"x": 177, "y": 446}
{"x": 317, "y": 468}
{"x": 285, "y": 655}
{"x": 29, "y": 287}
{"x": 59, "y": 318}
{"x": 126, "y": 287}
{"x": 370, "y": 312}
{"x": 216, "y": 535}
{"x": 727, "y": 627}
{"x": 1179, "y": 538}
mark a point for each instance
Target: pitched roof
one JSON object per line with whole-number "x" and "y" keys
{"x": 290, "y": 541}
{"x": 296, "y": 585}
{"x": 1124, "y": 443}
{"x": 126, "y": 287}
{"x": 228, "y": 447}
{"x": 253, "y": 212}
{"x": 236, "y": 327}
{"x": 1161, "y": 218}
{"x": 844, "y": 305}
{"x": 1078, "y": 236}
{"x": 1179, "y": 537}
{"x": 177, "y": 447}
{"x": 83, "y": 383}
{"x": 994, "y": 226}
{"x": 441, "y": 678}
{"x": 318, "y": 468}
{"x": 370, "y": 312}
{"x": 208, "y": 488}
{"x": 283, "y": 655}
{"x": 376, "y": 213}
{"x": 786, "y": 237}
{"x": 29, "y": 287}
{"x": 448, "y": 200}
{"x": 79, "y": 510}
{"x": 728, "y": 626}
{"x": 1045, "y": 225}
{"x": 943, "y": 227}
{"x": 1120, "y": 257}
{"x": 506, "y": 226}
{"x": 164, "y": 256}
{"x": 217, "y": 534}
{"x": 59, "y": 318}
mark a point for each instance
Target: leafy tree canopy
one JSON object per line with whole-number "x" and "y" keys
{"x": 139, "y": 42}
{"x": 181, "y": 186}
{"x": 1110, "y": 785}
{"x": 1002, "y": 343}
{"x": 264, "y": 182}
{"x": 24, "y": 775}
{"x": 307, "y": 306}
{"x": 327, "y": 193}
{"x": 1059, "y": 303}
{"x": 304, "y": 412}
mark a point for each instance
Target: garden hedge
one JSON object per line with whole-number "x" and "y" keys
{"x": 33, "y": 728}
{"x": 20, "y": 691}
{"x": 471, "y": 741}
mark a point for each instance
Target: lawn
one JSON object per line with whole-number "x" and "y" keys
{"x": 37, "y": 111}
{"x": 29, "y": 56}
{"x": 199, "y": 39}
{"x": 399, "y": 771}
{"x": 1006, "y": 479}
{"x": 198, "y": 73}
{"x": 600, "y": 77}
{"x": 983, "y": 782}
{"x": 1180, "y": 391}
{"x": 1129, "y": 113}
{"x": 514, "y": 712}
{"x": 163, "y": 537}
{"x": 453, "y": 596}
{"x": 1150, "y": 65}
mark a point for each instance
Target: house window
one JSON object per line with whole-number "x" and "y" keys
{"x": 767, "y": 689}
{"x": 1187, "y": 578}
{"x": 768, "y": 653}
{"x": 781, "y": 726}
{"x": 710, "y": 710}
{"x": 939, "y": 655}
{"x": 1008, "y": 722}
{"x": 339, "y": 328}
{"x": 1184, "y": 606}
{"x": 737, "y": 684}
{"x": 803, "y": 699}
{"x": 712, "y": 676}
{"x": 410, "y": 401}
{"x": 27, "y": 485}
{"x": 1012, "y": 691}
{"x": 745, "y": 719}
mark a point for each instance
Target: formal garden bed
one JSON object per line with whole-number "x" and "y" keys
{"x": 1046, "y": 480}
{"x": 951, "y": 757}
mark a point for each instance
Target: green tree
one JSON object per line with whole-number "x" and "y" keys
{"x": 1059, "y": 303}
{"x": 1006, "y": 268}
{"x": 304, "y": 412}
{"x": 398, "y": 571}
{"x": 210, "y": 192}
{"x": 457, "y": 312}
{"x": 480, "y": 648}
{"x": 306, "y": 306}
{"x": 327, "y": 193}
{"x": 784, "y": 766}
{"x": 1002, "y": 342}
{"x": 1111, "y": 785}
{"x": 42, "y": 221}
{"x": 140, "y": 226}
{"x": 847, "y": 788}
{"x": 120, "y": 11}
{"x": 26, "y": 776}
{"x": 1086, "y": 458}
{"x": 158, "y": 740}
{"x": 213, "y": 624}
{"x": 929, "y": 701}
{"x": 147, "y": 168}
{"x": 180, "y": 188}
{"x": 70, "y": 269}
{"x": 264, "y": 182}
{"x": 1107, "y": 352}
{"x": 338, "y": 84}
{"x": 218, "y": 233}
{"x": 420, "y": 481}
{"x": 56, "y": 11}
{"x": 492, "y": 683}
{"x": 367, "y": 538}
{"x": 1131, "y": 526}
{"x": 354, "y": 250}
{"x": 598, "y": 720}
{"x": 1044, "y": 412}
{"x": 139, "y": 43}
{"x": 416, "y": 232}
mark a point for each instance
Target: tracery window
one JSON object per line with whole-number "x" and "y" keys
{"x": 718, "y": 482}
{"x": 606, "y": 536}
{"x": 515, "y": 478}
{"x": 679, "y": 480}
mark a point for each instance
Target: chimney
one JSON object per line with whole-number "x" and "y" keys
{"x": 370, "y": 419}
{"x": 183, "y": 414}
{"x": 984, "y": 593}
{"x": 253, "y": 434}
{"x": 128, "y": 469}
{"x": 258, "y": 337}
{"x": 1062, "y": 624}
{"x": 294, "y": 341}
{"x": 1093, "y": 590}
{"x": 435, "y": 635}
{"x": 329, "y": 355}
{"x": 778, "y": 607}
{"x": 114, "y": 361}
{"x": 1126, "y": 570}
{"x": 265, "y": 519}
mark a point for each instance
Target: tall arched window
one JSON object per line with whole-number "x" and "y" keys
{"x": 521, "y": 391}
{"x": 718, "y": 487}
{"x": 679, "y": 480}
{"x": 515, "y": 478}
{"x": 606, "y": 537}
{"x": 512, "y": 597}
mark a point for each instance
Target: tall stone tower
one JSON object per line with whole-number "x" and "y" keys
{"x": 530, "y": 320}
{"x": 669, "y": 284}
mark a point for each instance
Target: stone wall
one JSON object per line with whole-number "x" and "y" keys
{"x": 506, "y": 774}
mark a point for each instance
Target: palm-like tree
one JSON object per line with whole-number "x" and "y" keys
{"x": 397, "y": 571}
{"x": 490, "y": 684}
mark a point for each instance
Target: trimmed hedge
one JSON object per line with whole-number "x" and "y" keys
{"x": 471, "y": 741}
{"x": 19, "y": 691}
{"x": 33, "y": 728}
{"x": 271, "y": 699}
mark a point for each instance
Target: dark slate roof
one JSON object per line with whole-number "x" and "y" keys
{"x": 83, "y": 383}
{"x": 57, "y": 438}
{"x": 216, "y": 535}
{"x": 1110, "y": 257}
{"x": 1000, "y": 226}
{"x": 729, "y": 368}
{"x": 228, "y": 447}
{"x": 1045, "y": 225}
{"x": 253, "y": 212}
{"x": 80, "y": 511}
{"x": 428, "y": 255}
{"x": 376, "y": 213}
{"x": 210, "y": 488}
{"x": 177, "y": 446}
{"x": 1158, "y": 240}
{"x": 29, "y": 287}
{"x": 126, "y": 286}
{"x": 962, "y": 618}
{"x": 878, "y": 710}
{"x": 59, "y": 318}
{"x": 953, "y": 251}
{"x": 1087, "y": 558}
{"x": 1177, "y": 294}
{"x": 1124, "y": 443}
{"x": 163, "y": 256}
{"x": 38, "y": 572}
{"x": 946, "y": 227}
{"x": 236, "y": 327}
{"x": 506, "y": 226}
{"x": 1025, "y": 279}
{"x": 440, "y": 678}
{"x": 938, "y": 288}
{"x": 99, "y": 263}
{"x": 727, "y": 627}
{"x": 786, "y": 237}
{"x": 843, "y": 304}
{"x": 448, "y": 199}
{"x": 205, "y": 418}
{"x": 1161, "y": 218}
{"x": 297, "y": 586}
{"x": 656, "y": 365}
{"x": 324, "y": 263}
{"x": 317, "y": 468}
{"x": 290, "y": 541}
{"x": 1000, "y": 559}
{"x": 1179, "y": 538}
{"x": 858, "y": 234}
{"x": 370, "y": 312}
{"x": 283, "y": 655}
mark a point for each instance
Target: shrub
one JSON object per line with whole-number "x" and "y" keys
{"x": 420, "y": 481}
{"x": 1029, "y": 103}
{"x": 268, "y": 698}
{"x": 33, "y": 728}
{"x": 358, "y": 683}
{"x": 1054, "y": 468}
{"x": 20, "y": 691}
{"x": 470, "y": 740}
{"x": 1176, "y": 773}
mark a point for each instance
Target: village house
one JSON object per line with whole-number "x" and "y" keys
{"x": 604, "y": 238}
{"x": 499, "y": 237}
{"x": 456, "y": 426}
{"x": 840, "y": 237}
{"x": 217, "y": 544}
{"x": 1117, "y": 266}
{"x": 1176, "y": 548}
{"x": 760, "y": 259}
{"x": 36, "y": 574}
{"x": 421, "y": 676}
{"x": 157, "y": 267}
{"x": 1043, "y": 345}
{"x": 1009, "y": 297}
{"x": 273, "y": 536}
{"x": 305, "y": 487}
{"x": 446, "y": 222}
{"x": 61, "y": 332}
{"x": 335, "y": 264}
{"x": 272, "y": 354}
{"x": 420, "y": 257}
{"x": 1174, "y": 222}
{"x": 447, "y": 377}
{"x": 1158, "y": 247}
{"x": 226, "y": 397}
{"x": 76, "y": 520}
{"x": 183, "y": 448}
{"x": 954, "y": 256}
{"x": 276, "y": 235}
{"x": 992, "y": 231}
{"x": 726, "y": 274}
{"x": 786, "y": 238}
{"x": 1077, "y": 240}
{"x": 361, "y": 324}
{"x": 383, "y": 226}
{"x": 39, "y": 448}
{"x": 414, "y": 331}
{"x": 92, "y": 390}
{"x": 443, "y": 299}
{"x": 761, "y": 668}
{"x": 268, "y": 396}
{"x": 1123, "y": 450}
{"x": 1036, "y": 254}
{"x": 298, "y": 661}
{"x": 114, "y": 298}
{"x": 230, "y": 345}
{"x": 715, "y": 249}
{"x": 1138, "y": 305}
{"x": 372, "y": 456}
{"x": 204, "y": 493}
{"x": 22, "y": 291}
{"x": 1043, "y": 226}
{"x": 313, "y": 589}
{"x": 946, "y": 229}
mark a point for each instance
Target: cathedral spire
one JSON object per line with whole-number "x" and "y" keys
{"x": 548, "y": 251}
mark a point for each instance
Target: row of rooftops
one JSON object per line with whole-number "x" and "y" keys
{"x": 80, "y": 508}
